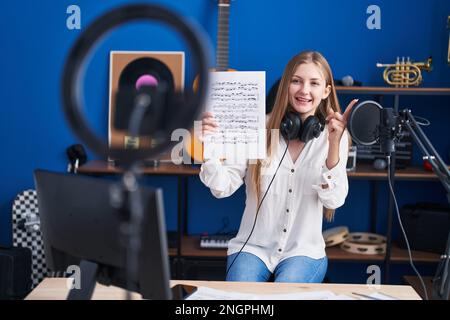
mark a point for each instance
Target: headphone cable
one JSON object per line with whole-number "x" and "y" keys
{"x": 257, "y": 211}
{"x": 403, "y": 230}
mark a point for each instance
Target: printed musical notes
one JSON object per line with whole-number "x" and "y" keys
{"x": 237, "y": 101}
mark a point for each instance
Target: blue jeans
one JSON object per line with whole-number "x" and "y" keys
{"x": 301, "y": 269}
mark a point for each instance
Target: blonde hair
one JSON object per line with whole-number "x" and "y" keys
{"x": 282, "y": 104}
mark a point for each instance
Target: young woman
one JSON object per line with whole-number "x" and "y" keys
{"x": 289, "y": 192}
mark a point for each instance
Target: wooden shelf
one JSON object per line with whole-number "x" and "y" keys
{"x": 393, "y": 91}
{"x": 190, "y": 247}
{"x": 100, "y": 167}
{"x": 367, "y": 171}
{"x": 363, "y": 171}
{"x": 399, "y": 255}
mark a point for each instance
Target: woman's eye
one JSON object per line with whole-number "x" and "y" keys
{"x": 315, "y": 83}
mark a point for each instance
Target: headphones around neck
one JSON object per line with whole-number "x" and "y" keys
{"x": 292, "y": 126}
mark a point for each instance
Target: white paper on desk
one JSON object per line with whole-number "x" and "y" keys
{"x": 238, "y": 103}
{"x": 382, "y": 296}
{"x": 205, "y": 293}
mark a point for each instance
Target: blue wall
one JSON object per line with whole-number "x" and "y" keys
{"x": 263, "y": 36}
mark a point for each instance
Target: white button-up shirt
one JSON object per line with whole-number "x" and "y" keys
{"x": 290, "y": 219}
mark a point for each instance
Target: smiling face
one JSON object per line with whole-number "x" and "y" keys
{"x": 307, "y": 89}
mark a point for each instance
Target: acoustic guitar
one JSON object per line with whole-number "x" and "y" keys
{"x": 193, "y": 146}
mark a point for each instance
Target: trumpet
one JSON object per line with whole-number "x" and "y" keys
{"x": 405, "y": 73}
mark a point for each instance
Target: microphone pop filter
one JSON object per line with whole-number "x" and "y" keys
{"x": 364, "y": 121}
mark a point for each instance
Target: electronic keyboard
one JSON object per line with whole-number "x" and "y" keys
{"x": 215, "y": 241}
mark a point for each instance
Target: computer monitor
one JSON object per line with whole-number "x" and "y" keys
{"x": 79, "y": 226}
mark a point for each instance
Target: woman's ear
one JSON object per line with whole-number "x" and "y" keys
{"x": 326, "y": 92}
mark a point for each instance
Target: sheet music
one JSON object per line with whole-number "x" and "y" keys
{"x": 205, "y": 293}
{"x": 238, "y": 102}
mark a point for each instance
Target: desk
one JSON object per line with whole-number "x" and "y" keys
{"x": 55, "y": 289}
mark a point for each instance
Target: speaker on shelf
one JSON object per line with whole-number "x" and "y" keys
{"x": 134, "y": 70}
{"x": 426, "y": 226}
{"x": 371, "y": 153}
{"x": 15, "y": 273}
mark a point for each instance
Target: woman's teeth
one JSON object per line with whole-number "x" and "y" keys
{"x": 303, "y": 100}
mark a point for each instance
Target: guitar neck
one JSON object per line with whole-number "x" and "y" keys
{"x": 223, "y": 36}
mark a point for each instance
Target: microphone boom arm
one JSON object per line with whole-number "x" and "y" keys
{"x": 441, "y": 280}
{"x": 429, "y": 152}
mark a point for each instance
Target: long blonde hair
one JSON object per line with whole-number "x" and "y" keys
{"x": 282, "y": 104}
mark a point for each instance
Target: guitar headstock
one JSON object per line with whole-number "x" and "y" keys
{"x": 224, "y": 2}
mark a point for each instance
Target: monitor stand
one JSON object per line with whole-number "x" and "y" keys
{"x": 88, "y": 281}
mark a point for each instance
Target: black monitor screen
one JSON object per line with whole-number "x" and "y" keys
{"x": 78, "y": 223}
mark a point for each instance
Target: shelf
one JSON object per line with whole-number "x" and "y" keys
{"x": 363, "y": 171}
{"x": 99, "y": 167}
{"x": 190, "y": 247}
{"x": 399, "y": 255}
{"x": 367, "y": 171}
{"x": 392, "y": 90}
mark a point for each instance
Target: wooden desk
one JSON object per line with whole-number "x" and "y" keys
{"x": 55, "y": 289}
{"x": 99, "y": 167}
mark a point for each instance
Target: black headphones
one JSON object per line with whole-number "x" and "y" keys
{"x": 77, "y": 157}
{"x": 292, "y": 126}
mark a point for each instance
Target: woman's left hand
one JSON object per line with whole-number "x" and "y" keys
{"x": 337, "y": 123}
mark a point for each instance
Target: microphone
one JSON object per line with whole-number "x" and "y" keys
{"x": 364, "y": 122}
{"x": 387, "y": 130}
{"x": 146, "y": 101}
{"x": 369, "y": 123}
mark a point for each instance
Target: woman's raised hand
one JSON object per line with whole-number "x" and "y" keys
{"x": 337, "y": 122}
{"x": 209, "y": 125}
